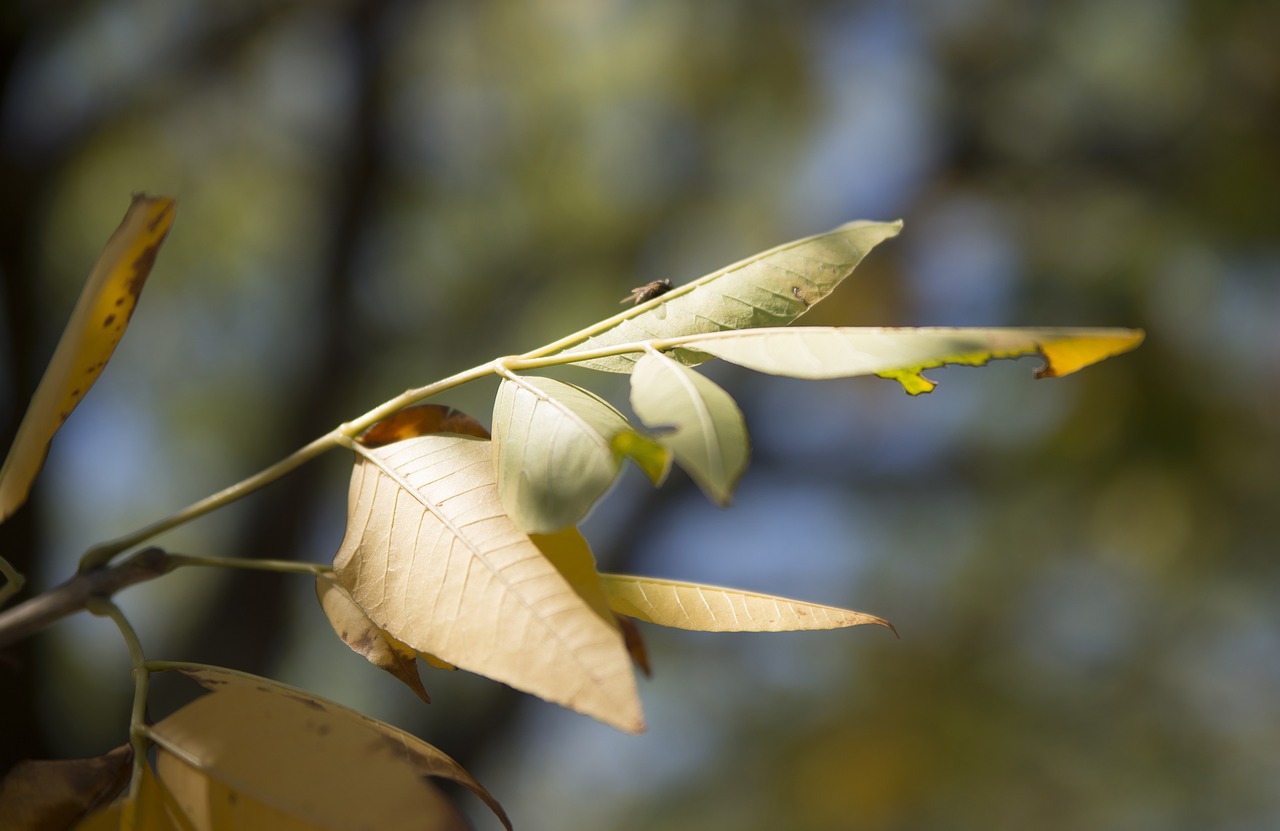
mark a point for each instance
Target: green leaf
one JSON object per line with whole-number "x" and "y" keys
{"x": 902, "y": 354}
{"x": 770, "y": 289}
{"x": 552, "y": 447}
{"x": 709, "y": 435}
{"x": 715, "y": 609}
{"x": 432, "y": 557}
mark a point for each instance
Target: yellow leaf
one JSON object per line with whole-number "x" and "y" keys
{"x": 715, "y": 609}
{"x": 36, "y": 795}
{"x": 353, "y": 626}
{"x": 97, "y": 323}
{"x": 431, "y": 556}
{"x": 256, "y": 754}
{"x": 152, "y": 808}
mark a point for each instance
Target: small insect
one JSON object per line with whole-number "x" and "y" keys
{"x": 648, "y": 291}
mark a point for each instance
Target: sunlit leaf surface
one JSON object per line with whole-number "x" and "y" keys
{"x": 432, "y": 557}
{"x": 40, "y": 794}
{"x": 553, "y": 450}
{"x": 902, "y": 354}
{"x": 355, "y": 629}
{"x": 97, "y": 323}
{"x": 706, "y": 431}
{"x": 770, "y": 289}
{"x": 716, "y": 609}
{"x": 256, "y": 754}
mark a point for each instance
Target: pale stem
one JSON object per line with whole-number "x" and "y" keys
{"x": 342, "y": 435}
{"x": 141, "y": 682}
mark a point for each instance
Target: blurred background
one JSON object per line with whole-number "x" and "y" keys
{"x": 377, "y": 193}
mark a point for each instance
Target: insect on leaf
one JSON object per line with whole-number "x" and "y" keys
{"x": 715, "y": 609}
{"x": 432, "y": 557}
{"x": 709, "y": 438}
{"x": 772, "y": 288}
{"x": 902, "y": 354}
{"x": 259, "y": 754}
{"x": 97, "y": 323}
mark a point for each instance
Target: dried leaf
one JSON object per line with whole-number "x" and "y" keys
{"x": 257, "y": 754}
{"x": 97, "y": 323}
{"x": 709, "y": 438}
{"x": 421, "y": 420}
{"x": 770, "y": 289}
{"x": 431, "y": 556}
{"x": 635, "y": 644}
{"x": 43, "y": 794}
{"x": 902, "y": 354}
{"x": 361, "y": 634}
{"x": 714, "y": 609}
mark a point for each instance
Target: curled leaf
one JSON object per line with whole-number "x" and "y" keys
{"x": 97, "y": 323}
{"x": 715, "y": 609}
{"x": 553, "y": 451}
{"x": 709, "y": 435}
{"x": 353, "y": 626}
{"x": 772, "y": 288}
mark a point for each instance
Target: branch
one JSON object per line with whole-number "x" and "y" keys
{"x": 75, "y": 594}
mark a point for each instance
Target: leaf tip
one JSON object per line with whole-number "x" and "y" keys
{"x": 1073, "y": 354}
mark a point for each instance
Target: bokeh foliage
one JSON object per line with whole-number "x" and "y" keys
{"x": 377, "y": 193}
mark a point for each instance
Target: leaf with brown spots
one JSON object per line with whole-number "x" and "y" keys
{"x": 40, "y": 794}
{"x": 257, "y": 754}
{"x": 97, "y": 323}
{"x": 422, "y": 420}
{"x": 361, "y": 634}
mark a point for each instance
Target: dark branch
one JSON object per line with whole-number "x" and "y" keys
{"x": 70, "y": 597}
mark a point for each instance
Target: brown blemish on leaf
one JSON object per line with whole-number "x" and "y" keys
{"x": 634, "y": 643}
{"x": 305, "y": 700}
{"x": 161, "y": 217}
{"x": 799, "y": 295}
{"x": 141, "y": 268}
